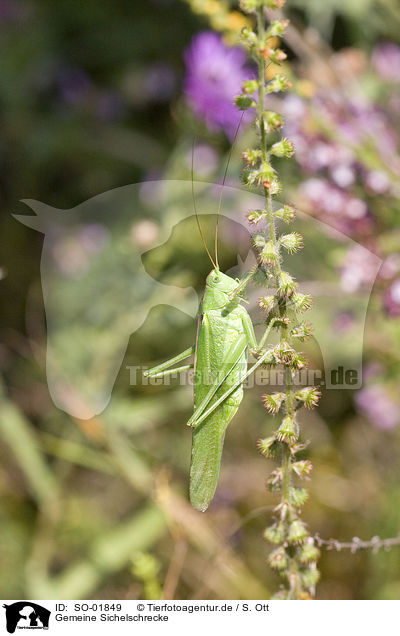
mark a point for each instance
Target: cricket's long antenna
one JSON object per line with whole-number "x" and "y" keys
{"x": 197, "y": 216}
{"x": 222, "y": 187}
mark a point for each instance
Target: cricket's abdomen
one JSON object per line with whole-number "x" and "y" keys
{"x": 216, "y": 335}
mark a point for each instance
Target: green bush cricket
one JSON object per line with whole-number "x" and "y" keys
{"x": 224, "y": 336}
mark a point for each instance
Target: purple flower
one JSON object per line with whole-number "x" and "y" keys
{"x": 108, "y": 105}
{"x": 74, "y": 85}
{"x": 335, "y": 205}
{"x": 159, "y": 82}
{"x": 386, "y": 60}
{"x": 358, "y": 269}
{"x": 205, "y": 160}
{"x": 377, "y": 181}
{"x": 11, "y": 11}
{"x": 390, "y": 266}
{"x": 376, "y": 403}
{"x": 214, "y": 74}
{"x": 391, "y": 299}
{"x": 343, "y": 322}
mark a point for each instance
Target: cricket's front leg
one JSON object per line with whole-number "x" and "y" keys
{"x": 163, "y": 369}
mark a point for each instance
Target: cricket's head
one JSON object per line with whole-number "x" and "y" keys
{"x": 218, "y": 289}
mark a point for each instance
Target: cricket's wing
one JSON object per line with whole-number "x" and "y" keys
{"x": 207, "y": 445}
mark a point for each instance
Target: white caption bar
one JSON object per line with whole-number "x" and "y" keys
{"x": 308, "y": 618}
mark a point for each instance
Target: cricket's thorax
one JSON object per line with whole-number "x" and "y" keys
{"x": 221, "y": 324}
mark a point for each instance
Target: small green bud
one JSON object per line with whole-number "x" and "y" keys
{"x": 286, "y": 214}
{"x": 248, "y": 36}
{"x": 298, "y": 361}
{"x": 284, "y": 352}
{"x": 278, "y": 84}
{"x": 276, "y": 28}
{"x": 259, "y": 240}
{"x": 250, "y": 86}
{"x": 268, "y": 446}
{"x": 308, "y": 553}
{"x": 255, "y": 216}
{"x": 309, "y": 576}
{"x": 250, "y": 177}
{"x": 267, "y": 303}
{"x": 249, "y": 6}
{"x": 310, "y": 396}
{"x": 302, "y": 468}
{"x": 286, "y": 285}
{"x": 275, "y": 533}
{"x": 282, "y": 595}
{"x": 273, "y": 402}
{"x": 288, "y": 431}
{"x": 274, "y": 4}
{"x": 297, "y": 532}
{"x": 298, "y": 496}
{"x": 272, "y": 120}
{"x": 282, "y": 148}
{"x": 244, "y": 102}
{"x": 277, "y": 56}
{"x": 278, "y": 559}
{"x": 275, "y": 480}
{"x": 291, "y": 242}
{"x": 252, "y": 157}
{"x": 273, "y": 186}
{"x": 267, "y": 173}
{"x": 269, "y": 255}
{"x": 304, "y": 331}
{"x": 301, "y": 302}
{"x": 264, "y": 175}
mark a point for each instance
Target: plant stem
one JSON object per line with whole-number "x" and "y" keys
{"x": 294, "y": 557}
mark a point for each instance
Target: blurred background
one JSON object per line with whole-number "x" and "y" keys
{"x": 96, "y": 96}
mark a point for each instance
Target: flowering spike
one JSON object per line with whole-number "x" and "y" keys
{"x": 293, "y": 557}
